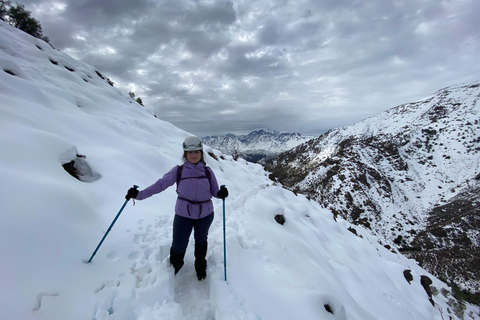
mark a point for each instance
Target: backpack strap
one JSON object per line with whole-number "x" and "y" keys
{"x": 209, "y": 176}
{"x": 179, "y": 174}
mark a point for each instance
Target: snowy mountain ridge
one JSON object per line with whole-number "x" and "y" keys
{"x": 257, "y": 146}
{"x": 59, "y": 113}
{"x": 397, "y": 172}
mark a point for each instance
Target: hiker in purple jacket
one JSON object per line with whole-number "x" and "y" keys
{"x": 196, "y": 184}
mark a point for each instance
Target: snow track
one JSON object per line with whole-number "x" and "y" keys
{"x": 192, "y": 295}
{"x": 150, "y": 290}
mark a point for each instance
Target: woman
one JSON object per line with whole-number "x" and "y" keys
{"x": 196, "y": 184}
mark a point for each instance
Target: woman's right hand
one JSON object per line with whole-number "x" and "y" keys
{"x": 131, "y": 193}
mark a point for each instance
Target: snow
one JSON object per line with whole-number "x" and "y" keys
{"x": 51, "y": 222}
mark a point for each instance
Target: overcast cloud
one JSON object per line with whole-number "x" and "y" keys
{"x": 213, "y": 67}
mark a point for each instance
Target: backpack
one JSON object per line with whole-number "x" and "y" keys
{"x": 179, "y": 175}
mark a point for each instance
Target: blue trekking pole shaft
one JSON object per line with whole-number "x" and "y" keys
{"x": 224, "y": 244}
{"x": 109, "y": 228}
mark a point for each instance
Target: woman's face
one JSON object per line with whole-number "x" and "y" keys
{"x": 194, "y": 156}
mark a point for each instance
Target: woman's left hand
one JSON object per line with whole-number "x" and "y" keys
{"x": 222, "y": 193}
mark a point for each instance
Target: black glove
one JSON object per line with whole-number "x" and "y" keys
{"x": 222, "y": 193}
{"x": 131, "y": 193}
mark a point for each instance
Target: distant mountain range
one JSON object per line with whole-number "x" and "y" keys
{"x": 257, "y": 146}
{"x": 410, "y": 174}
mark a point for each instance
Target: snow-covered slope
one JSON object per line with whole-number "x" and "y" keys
{"x": 257, "y": 146}
{"x": 411, "y": 174}
{"x": 311, "y": 267}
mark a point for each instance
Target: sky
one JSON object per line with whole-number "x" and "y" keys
{"x": 213, "y": 67}
{"x": 50, "y": 222}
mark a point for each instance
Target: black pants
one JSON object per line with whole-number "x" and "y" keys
{"x": 182, "y": 229}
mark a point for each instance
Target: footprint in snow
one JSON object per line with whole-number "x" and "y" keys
{"x": 113, "y": 255}
{"x": 40, "y": 296}
{"x": 133, "y": 255}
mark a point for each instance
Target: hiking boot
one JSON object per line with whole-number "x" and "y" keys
{"x": 200, "y": 261}
{"x": 176, "y": 259}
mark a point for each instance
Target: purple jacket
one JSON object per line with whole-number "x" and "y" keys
{"x": 194, "y": 190}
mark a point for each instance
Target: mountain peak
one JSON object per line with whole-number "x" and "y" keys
{"x": 264, "y": 132}
{"x": 257, "y": 145}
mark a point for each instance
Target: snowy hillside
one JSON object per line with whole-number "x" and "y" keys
{"x": 55, "y": 110}
{"x": 410, "y": 174}
{"x": 257, "y": 146}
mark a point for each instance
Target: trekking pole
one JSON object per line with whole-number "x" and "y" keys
{"x": 224, "y": 243}
{"x": 109, "y": 228}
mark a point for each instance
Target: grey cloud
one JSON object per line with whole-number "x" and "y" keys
{"x": 304, "y": 65}
{"x": 211, "y": 15}
{"x": 105, "y": 13}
